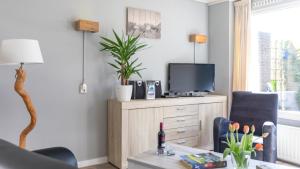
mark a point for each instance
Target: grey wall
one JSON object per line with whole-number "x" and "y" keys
{"x": 66, "y": 118}
{"x": 220, "y": 23}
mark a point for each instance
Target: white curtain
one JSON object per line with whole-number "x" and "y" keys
{"x": 242, "y": 18}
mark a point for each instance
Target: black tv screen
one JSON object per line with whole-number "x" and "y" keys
{"x": 185, "y": 77}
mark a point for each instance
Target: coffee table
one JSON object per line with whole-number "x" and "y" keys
{"x": 150, "y": 160}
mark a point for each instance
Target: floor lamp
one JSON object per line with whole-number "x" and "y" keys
{"x": 20, "y": 52}
{"x": 197, "y": 38}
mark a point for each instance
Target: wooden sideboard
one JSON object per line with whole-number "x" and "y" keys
{"x": 133, "y": 126}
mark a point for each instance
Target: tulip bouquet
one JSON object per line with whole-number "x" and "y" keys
{"x": 241, "y": 151}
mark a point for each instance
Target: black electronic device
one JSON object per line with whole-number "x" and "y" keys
{"x": 158, "y": 90}
{"x": 138, "y": 89}
{"x": 170, "y": 95}
{"x": 186, "y": 77}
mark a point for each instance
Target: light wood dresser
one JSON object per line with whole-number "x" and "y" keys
{"x": 133, "y": 126}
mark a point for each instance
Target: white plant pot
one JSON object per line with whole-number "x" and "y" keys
{"x": 124, "y": 92}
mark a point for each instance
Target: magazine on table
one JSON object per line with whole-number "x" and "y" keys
{"x": 202, "y": 161}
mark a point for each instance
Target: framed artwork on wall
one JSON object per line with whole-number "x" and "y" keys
{"x": 144, "y": 22}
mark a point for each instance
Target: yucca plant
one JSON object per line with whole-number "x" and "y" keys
{"x": 123, "y": 48}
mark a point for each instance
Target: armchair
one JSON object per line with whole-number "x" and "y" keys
{"x": 13, "y": 157}
{"x": 249, "y": 108}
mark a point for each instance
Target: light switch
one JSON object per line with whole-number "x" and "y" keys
{"x": 83, "y": 88}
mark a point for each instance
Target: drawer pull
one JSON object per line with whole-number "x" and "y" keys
{"x": 181, "y": 131}
{"x": 181, "y": 142}
{"x": 180, "y": 109}
{"x": 181, "y": 120}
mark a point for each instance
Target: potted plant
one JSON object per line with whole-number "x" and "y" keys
{"x": 241, "y": 151}
{"x": 122, "y": 50}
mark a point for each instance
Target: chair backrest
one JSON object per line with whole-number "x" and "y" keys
{"x": 254, "y": 109}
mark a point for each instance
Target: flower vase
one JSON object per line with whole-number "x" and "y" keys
{"x": 240, "y": 161}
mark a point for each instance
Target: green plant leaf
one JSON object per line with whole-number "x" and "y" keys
{"x": 115, "y": 66}
{"x": 123, "y": 49}
{"x": 227, "y": 138}
{"x": 138, "y": 73}
{"x": 120, "y": 42}
{"x": 232, "y": 139}
{"x": 226, "y": 152}
{"x": 108, "y": 41}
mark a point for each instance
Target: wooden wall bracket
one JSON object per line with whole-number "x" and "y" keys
{"x": 87, "y": 26}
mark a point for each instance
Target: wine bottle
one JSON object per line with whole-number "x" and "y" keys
{"x": 161, "y": 139}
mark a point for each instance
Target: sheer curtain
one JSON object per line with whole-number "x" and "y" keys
{"x": 242, "y": 18}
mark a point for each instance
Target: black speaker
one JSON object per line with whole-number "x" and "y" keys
{"x": 138, "y": 89}
{"x": 158, "y": 91}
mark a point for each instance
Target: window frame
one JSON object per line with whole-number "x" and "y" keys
{"x": 289, "y": 118}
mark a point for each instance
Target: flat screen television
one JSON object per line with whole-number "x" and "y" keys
{"x": 186, "y": 77}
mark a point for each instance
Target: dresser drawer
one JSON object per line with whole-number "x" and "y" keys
{"x": 191, "y": 141}
{"x": 178, "y": 122}
{"x": 176, "y": 111}
{"x": 184, "y": 132}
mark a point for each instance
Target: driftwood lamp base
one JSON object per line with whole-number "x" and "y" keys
{"x": 19, "y": 88}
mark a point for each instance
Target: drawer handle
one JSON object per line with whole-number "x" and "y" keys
{"x": 180, "y": 109}
{"x": 181, "y": 142}
{"x": 181, "y": 120}
{"x": 181, "y": 131}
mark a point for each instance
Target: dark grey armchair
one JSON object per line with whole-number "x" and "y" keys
{"x": 259, "y": 109}
{"x": 12, "y": 157}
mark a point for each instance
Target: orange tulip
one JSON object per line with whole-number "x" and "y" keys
{"x": 259, "y": 147}
{"x": 246, "y": 129}
{"x": 231, "y": 128}
{"x": 236, "y": 126}
{"x": 252, "y": 128}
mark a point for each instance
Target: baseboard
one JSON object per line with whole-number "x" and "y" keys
{"x": 91, "y": 162}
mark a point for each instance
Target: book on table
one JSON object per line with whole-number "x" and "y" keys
{"x": 202, "y": 161}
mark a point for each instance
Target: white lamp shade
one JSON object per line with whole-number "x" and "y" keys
{"x": 16, "y": 51}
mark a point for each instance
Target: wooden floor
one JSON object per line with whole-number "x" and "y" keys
{"x": 103, "y": 166}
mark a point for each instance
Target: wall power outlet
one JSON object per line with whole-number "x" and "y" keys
{"x": 83, "y": 88}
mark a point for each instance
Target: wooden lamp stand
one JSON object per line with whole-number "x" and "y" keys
{"x": 22, "y": 51}
{"x": 19, "y": 88}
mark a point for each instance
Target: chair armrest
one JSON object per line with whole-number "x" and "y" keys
{"x": 270, "y": 142}
{"x": 12, "y": 157}
{"x": 220, "y": 128}
{"x": 59, "y": 153}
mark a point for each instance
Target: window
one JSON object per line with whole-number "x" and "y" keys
{"x": 275, "y": 59}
